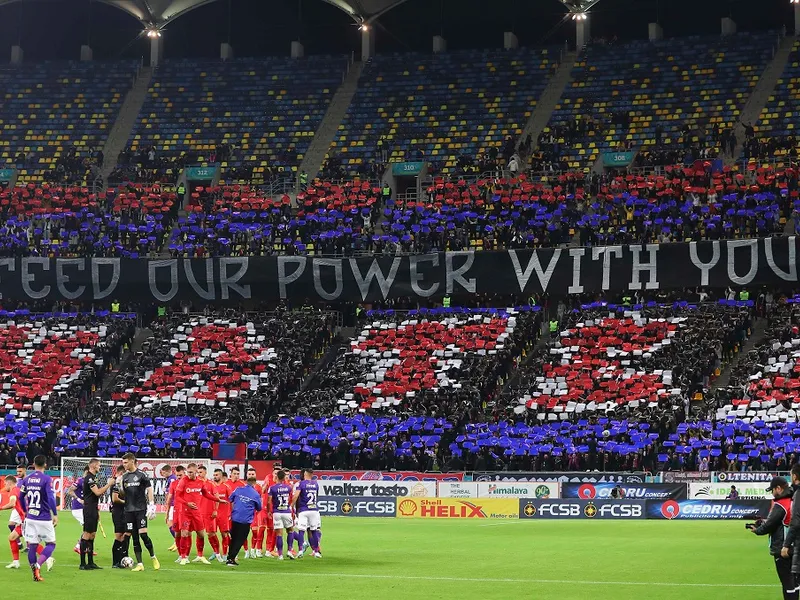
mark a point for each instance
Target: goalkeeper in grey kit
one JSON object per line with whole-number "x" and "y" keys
{"x": 139, "y": 508}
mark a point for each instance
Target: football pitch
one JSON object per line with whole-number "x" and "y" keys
{"x": 396, "y": 558}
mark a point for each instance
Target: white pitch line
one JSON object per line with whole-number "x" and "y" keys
{"x": 216, "y": 572}
{"x": 498, "y": 523}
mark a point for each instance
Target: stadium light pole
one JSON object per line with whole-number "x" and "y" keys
{"x": 155, "y": 36}
{"x": 796, "y": 5}
{"x": 579, "y": 13}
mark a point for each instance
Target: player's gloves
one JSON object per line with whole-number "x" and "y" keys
{"x": 151, "y": 511}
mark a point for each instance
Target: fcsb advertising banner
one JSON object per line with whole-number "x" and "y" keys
{"x": 708, "y": 509}
{"x": 631, "y": 491}
{"x": 454, "y": 508}
{"x": 357, "y": 507}
{"x": 535, "y": 508}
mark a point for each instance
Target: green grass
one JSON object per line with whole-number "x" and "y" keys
{"x": 388, "y": 558}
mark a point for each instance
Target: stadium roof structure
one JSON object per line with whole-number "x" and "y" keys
{"x": 157, "y": 13}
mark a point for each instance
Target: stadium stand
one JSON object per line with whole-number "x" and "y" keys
{"x": 239, "y": 220}
{"x": 70, "y": 221}
{"x": 438, "y": 108}
{"x": 245, "y": 363}
{"x": 634, "y": 95}
{"x": 752, "y": 424}
{"x": 51, "y": 362}
{"x": 255, "y": 117}
{"x": 774, "y": 137}
{"x": 57, "y": 115}
{"x": 440, "y": 360}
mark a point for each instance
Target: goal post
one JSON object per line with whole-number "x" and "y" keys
{"x": 72, "y": 468}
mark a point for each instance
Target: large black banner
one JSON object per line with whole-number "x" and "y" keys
{"x": 557, "y": 271}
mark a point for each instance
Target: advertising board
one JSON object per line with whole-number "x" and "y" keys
{"x": 707, "y": 509}
{"x": 639, "y": 491}
{"x": 376, "y": 489}
{"x": 518, "y": 490}
{"x": 358, "y": 507}
{"x": 454, "y": 508}
{"x": 720, "y": 491}
{"x": 535, "y": 508}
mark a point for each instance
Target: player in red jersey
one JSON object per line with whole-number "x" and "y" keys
{"x": 271, "y": 537}
{"x": 223, "y": 521}
{"x": 189, "y": 493}
{"x": 258, "y": 526}
{"x": 15, "y": 520}
{"x": 209, "y": 509}
{"x": 172, "y": 508}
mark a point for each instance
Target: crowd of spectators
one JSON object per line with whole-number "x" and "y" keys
{"x": 72, "y": 221}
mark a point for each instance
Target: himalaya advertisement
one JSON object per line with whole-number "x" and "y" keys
{"x": 707, "y": 509}
{"x": 633, "y": 491}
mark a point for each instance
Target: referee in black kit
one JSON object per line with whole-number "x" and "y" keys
{"x": 139, "y": 508}
{"x": 92, "y": 493}
{"x": 122, "y": 539}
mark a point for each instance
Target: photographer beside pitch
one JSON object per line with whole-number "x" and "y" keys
{"x": 776, "y": 526}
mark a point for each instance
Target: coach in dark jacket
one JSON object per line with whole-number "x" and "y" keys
{"x": 791, "y": 543}
{"x": 776, "y": 526}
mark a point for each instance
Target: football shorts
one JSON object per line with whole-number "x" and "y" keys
{"x": 136, "y": 521}
{"x": 191, "y": 520}
{"x": 39, "y": 532}
{"x": 282, "y": 520}
{"x": 309, "y": 520}
{"x": 91, "y": 519}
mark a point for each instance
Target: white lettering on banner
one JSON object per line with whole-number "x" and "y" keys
{"x": 374, "y": 274}
{"x": 650, "y": 267}
{"x": 606, "y": 252}
{"x": 577, "y": 255}
{"x": 96, "y": 263}
{"x": 792, "y": 274}
{"x": 720, "y": 491}
{"x": 285, "y": 279}
{"x": 524, "y": 275}
{"x": 518, "y": 490}
{"x": 62, "y": 279}
{"x": 704, "y": 267}
{"x": 458, "y": 489}
{"x": 453, "y": 276}
{"x": 228, "y": 282}
{"x": 377, "y": 489}
{"x": 316, "y": 269}
{"x": 205, "y": 294}
{"x": 732, "y": 246}
{"x": 416, "y": 277}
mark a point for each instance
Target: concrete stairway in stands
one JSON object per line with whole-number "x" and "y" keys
{"x": 323, "y": 137}
{"x": 757, "y": 336}
{"x": 550, "y": 97}
{"x": 126, "y": 119}
{"x": 751, "y": 112}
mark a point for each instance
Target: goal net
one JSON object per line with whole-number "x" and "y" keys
{"x": 72, "y": 468}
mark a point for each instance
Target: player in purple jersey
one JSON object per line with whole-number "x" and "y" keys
{"x": 75, "y": 492}
{"x": 279, "y": 504}
{"x": 169, "y": 476}
{"x": 41, "y": 516}
{"x": 305, "y": 502}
